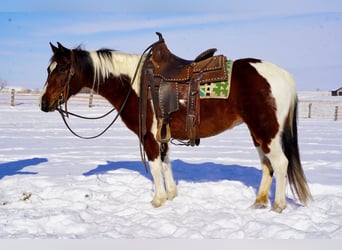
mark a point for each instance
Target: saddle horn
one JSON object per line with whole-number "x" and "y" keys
{"x": 161, "y": 39}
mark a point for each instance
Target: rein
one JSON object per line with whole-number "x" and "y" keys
{"x": 65, "y": 113}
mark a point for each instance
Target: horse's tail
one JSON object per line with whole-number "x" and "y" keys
{"x": 296, "y": 177}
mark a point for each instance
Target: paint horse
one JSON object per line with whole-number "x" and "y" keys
{"x": 262, "y": 95}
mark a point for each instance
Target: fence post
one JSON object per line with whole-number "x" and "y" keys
{"x": 12, "y": 96}
{"x": 309, "y": 113}
{"x": 91, "y": 99}
{"x": 336, "y": 113}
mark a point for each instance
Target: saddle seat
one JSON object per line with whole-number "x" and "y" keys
{"x": 171, "y": 67}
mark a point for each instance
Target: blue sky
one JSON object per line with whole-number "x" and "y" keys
{"x": 304, "y": 36}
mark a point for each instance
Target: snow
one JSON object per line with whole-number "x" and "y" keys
{"x": 54, "y": 185}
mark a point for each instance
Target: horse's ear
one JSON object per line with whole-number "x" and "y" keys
{"x": 62, "y": 48}
{"x": 53, "y": 47}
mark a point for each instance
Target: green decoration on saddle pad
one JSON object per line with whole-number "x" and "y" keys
{"x": 217, "y": 90}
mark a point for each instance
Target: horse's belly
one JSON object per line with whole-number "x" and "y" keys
{"x": 215, "y": 118}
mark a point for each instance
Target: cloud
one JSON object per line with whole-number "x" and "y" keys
{"x": 104, "y": 23}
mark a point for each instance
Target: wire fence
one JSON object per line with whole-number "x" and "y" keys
{"x": 321, "y": 109}
{"x": 325, "y": 108}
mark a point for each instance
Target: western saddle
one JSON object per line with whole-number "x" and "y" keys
{"x": 167, "y": 78}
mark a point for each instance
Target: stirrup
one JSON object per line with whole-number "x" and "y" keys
{"x": 163, "y": 132}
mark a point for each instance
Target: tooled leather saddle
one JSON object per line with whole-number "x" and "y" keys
{"x": 167, "y": 78}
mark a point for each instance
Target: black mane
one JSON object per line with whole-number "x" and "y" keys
{"x": 84, "y": 62}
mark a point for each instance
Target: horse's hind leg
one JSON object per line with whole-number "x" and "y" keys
{"x": 279, "y": 163}
{"x": 261, "y": 200}
{"x": 275, "y": 162}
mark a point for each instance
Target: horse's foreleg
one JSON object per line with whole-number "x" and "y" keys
{"x": 159, "y": 187}
{"x": 161, "y": 171}
{"x": 261, "y": 200}
{"x": 171, "y": 188}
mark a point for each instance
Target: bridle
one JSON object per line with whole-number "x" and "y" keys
{"x": 65, "y": 93}
{"x": 65, "y": 113}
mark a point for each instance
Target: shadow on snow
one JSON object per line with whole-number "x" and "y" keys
{"x": 15, "y": 167}
{"x": 200, "y": 172}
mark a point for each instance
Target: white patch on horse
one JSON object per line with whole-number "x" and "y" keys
{"x": 182, "y": 102}
{"x": 42, "y": 94}
{"x": 160, "y": 196}
{"x": 120, "y": 64}
{"x": 52, "y": 67}
{"x": 162, "y": 178}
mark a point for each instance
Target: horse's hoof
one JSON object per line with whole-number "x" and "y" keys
{"x": 172, "y": 194}
{"x": 278, "y": 208}
{"x": 259, "y": 205}
{"x": 158, "y": 202}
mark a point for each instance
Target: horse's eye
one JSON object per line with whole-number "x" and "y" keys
{"x": 62, "y": 69}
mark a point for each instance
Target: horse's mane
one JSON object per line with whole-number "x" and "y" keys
{"x": 96, "y": 65}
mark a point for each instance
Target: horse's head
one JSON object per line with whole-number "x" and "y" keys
{"x": 62, "y": 80}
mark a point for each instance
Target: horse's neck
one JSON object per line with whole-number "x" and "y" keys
{"x": 115, "y": 90}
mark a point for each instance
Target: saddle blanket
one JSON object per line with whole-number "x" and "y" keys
{"x": 217, "y": 90}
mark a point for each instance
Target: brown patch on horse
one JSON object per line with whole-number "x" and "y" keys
{"x": 213, "y": 121}
{"x": 255, "y": 102}
{"x": 115, "y": 86}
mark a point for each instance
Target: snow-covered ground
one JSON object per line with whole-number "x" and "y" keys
{"x": 54, "y": 185}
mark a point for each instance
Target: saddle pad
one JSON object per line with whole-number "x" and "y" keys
{"x": 217, "y": 90}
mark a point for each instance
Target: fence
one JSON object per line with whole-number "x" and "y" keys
{"x": 320, "y": 109}
{"x": 14, "y": 98}
{"x": 325, "y": 108}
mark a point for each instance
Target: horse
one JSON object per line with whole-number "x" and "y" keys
{"x": 262, "y": 95}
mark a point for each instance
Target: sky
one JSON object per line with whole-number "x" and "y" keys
{"x": 304, "y": 37}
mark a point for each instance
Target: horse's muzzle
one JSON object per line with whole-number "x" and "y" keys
{"x": 46, "y": 106}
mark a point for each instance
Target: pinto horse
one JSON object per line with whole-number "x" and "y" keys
{"x": 262, "y": 95}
